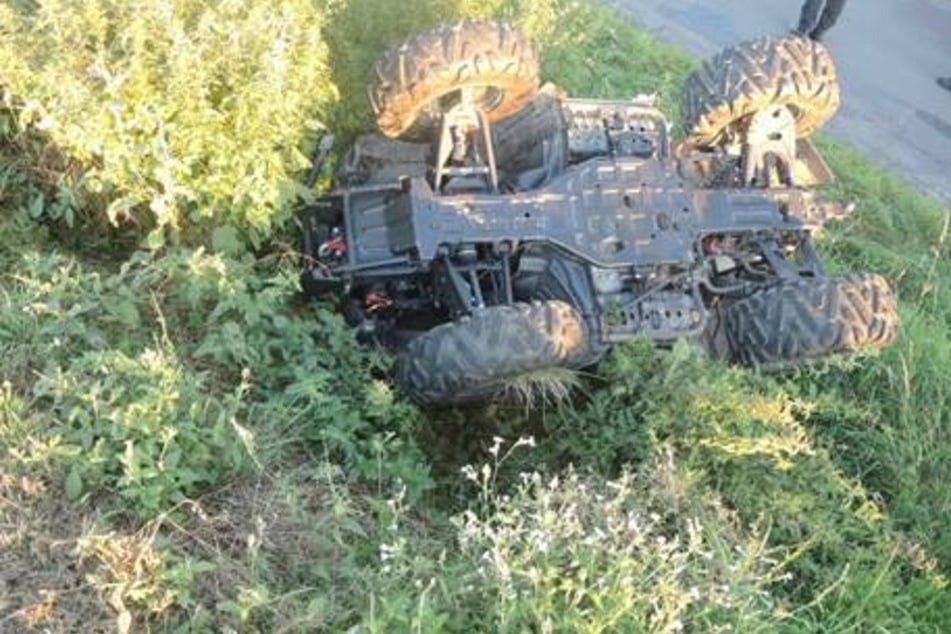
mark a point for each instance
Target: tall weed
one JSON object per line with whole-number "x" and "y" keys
{"x": 181, "y": 113}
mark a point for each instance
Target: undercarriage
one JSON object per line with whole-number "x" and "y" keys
{"x": 484, "y": 245}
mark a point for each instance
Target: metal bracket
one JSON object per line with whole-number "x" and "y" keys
{"x": 780, "y": 265}
{"x": 810, "y": 258}
{"x": 769, "y": 147}
{"x": 465, "y": 155}
{"x": 505, "y": 250}
{"x": 453, "y": 287}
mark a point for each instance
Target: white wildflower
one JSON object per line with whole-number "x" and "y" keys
{"x": 496, "y": 445}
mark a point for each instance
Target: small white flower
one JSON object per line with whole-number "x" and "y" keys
{"x": 469, "y": 473}
{"x": 541, "y": 543}
{"x": 387, "y": 552}
{"x": 496, "y": 445}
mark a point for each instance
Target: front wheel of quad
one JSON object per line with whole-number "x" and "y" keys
{"x": 522, "y": 347}
{"x": 415, "y": 82}
{"x": 800, "y": 321}
{"x": 793, "y": 72}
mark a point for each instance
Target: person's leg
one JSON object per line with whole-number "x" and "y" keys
{"x": 828, "y": 18}
{"x": 809, "y": 17}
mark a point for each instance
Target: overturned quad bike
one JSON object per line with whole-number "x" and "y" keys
{"x": 496, "y": 231}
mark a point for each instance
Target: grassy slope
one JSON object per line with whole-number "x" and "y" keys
{"x": 840, "y": 471}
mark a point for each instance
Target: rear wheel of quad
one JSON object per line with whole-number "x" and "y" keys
{"x": 794, "y": 72}
{"x": 495, "y": 349}
{"x": 531, "y": 145}
{"x": 804, "y": 320}
{"x": 416, "y": 81}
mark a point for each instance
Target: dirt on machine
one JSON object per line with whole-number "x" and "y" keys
{"x": 495, "y": 232}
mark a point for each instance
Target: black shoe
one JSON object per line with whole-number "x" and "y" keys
{"x": 944, "y": 82}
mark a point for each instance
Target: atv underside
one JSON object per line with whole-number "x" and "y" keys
{"x": 497, "y": 232}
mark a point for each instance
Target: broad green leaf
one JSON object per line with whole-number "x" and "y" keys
{"x": 74, "y": 484}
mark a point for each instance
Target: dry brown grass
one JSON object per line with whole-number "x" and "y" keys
{"x": 60, "y": 574}
{"x": 542, "y": 388}
{"x": 294, "y": 533}
{"x": 42, "y": 581}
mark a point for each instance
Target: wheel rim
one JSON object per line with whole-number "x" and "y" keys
{"x": 485, "y": 98}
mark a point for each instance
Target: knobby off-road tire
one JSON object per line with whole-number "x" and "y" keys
{"x": 477, "y": 357}
{"x": 742, "y": 80}
{"x": 533, "y": 142}
{"x": 518, "y": 138}
{"x": 808, "y": 319}
{"x": 494, "y": 59}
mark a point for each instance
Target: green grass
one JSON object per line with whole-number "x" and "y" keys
{"x": 184, "y": 447}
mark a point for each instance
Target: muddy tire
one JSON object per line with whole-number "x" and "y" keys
{"x": 531, "y": 146}
{"x": 742, "y": 80}
{"x": 809, "y": 319}
{"x": 518, "y": 138}
{"x": 477, "y": 357}
{"x": 411, "y": 81}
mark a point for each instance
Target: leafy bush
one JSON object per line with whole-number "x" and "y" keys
{"x": 160, "y": 377}
{"x": 142, "y": 427}
{"x": 196, "y": 111}
{"x": 114, "y": 406}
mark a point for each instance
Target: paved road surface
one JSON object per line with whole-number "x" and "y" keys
{"x": 889, "y": 53}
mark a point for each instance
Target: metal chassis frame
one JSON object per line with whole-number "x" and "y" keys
{"x": 637, "y": 215}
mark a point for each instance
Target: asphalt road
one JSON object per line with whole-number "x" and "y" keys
{"x": 888, "y": 52}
